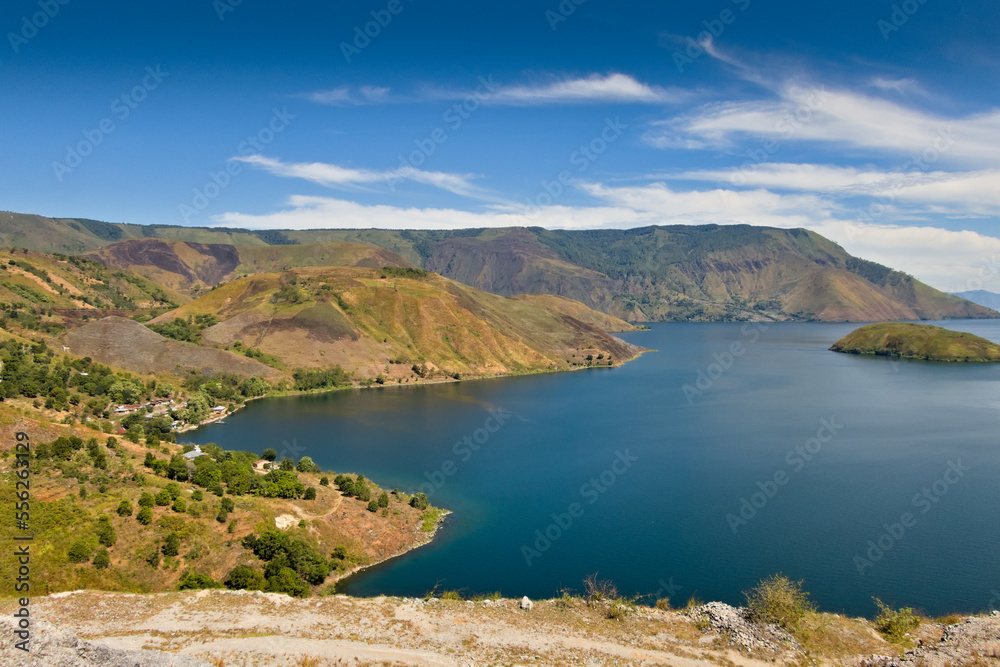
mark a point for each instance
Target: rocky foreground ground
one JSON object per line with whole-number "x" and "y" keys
{"x": 229, "y": 629}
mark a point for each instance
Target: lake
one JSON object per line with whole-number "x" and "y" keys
{"x": 730, "y": 453}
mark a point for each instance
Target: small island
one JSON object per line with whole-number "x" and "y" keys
{"x": 906, "y": 340}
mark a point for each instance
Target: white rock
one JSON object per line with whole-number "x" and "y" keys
{"x": 526, "y": 603}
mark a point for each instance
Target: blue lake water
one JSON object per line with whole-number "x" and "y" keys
{"x": 835, "y": 454}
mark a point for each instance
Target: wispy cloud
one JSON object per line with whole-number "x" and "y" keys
{"x": 350, "y": 96}
{"x": 335, "y": 176}
{"x": 594, "y": 89}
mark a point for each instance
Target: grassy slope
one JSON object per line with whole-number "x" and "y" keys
{"x": 361, "y": 321}
{"x": 918, "y": 341}
{"x": 59, "y": 516}
{"x": 69, "y": 284}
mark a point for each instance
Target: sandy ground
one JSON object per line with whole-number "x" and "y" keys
{"x": 229, "y": 629}
{"x": 238, "y": 628}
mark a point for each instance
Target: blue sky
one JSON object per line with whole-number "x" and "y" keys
{"x": 874, "y": 123}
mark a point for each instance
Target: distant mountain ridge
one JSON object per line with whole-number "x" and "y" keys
{"x": 982, "y": 297}
{"x": 675, "y": 273}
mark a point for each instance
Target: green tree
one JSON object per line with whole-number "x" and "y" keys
{"x": 124, "y": 508}
{"x": 373, "y": 506}
{"x": 245, "y": 578}
{"x": 310, "y": 494}
{"x": 383, "y": 500}
{"x": 419, "y": 501}
{"x": 146, "y": 499}
{"x": 145, "y": 516}
{"x": 269, "y": 454}
{"x": 180, "y": 506}
{"x": 106, "y": 535}
{"x": 80, "y": 551}
{"x": 306, "y": 464}
{"x": 163, "y": 498}
{"x": 102, "y": 559}
{"x": 192, "y": 581}
{"x": 228, "y": 504}
{"x": 171, "y": 545}
{"x": 324, "y": 481}
{"x": 287, "y": 464}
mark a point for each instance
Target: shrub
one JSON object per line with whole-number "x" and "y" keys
{"x": 245, "y": 578}
{"x": 102, "y": 559}
{"x": 124, "y": 508}
{"x": 383, "y": 500}
{"x": 373, "y": 506}
{"x": 172, "y": 545}
{"x": 778, "y": 600}
{"x": 180, "y": 506}
{"x": 105, "y": 532}
{"x": 153, "y": 558}
{"x": 324, "y": 481}
{"x": 310, "y": 494}
{"x": 145, "y": 516}
{"x": 895, "y": 624}
{"x": 173, "y": 489}
{"x": 163, "y": 498}
{"x": 228, "y": 504}
{"x": 287, "y": 464}
{"x": 269, "y": 454}
{"x": 79, "y": 552}
{"x": 192, "y": 581}
{"x": 197, "y": 495}
{"x": 216, "y": 488}
{"x": 285, "y": 580}
{"x": 364, "y": 493}
{"x": 146, "y": 499}
{"x": 222, "y": 516}
{"x": 419, "y": 501}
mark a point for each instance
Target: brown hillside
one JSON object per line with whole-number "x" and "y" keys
{"x": 123, "y": 343}
{"x": 375, "y": 325}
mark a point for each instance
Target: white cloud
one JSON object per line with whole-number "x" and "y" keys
{"x": 971, "y": 193}
{"x": 841, "y": 118}
{"x": 334, "y": 176}
{"x": 592, "y": 89}
{"x": 346, "y": 96}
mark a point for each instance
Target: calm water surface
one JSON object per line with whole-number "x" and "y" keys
{"x": 900, "y": 438}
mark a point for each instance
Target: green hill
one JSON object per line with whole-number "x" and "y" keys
{"x": 918, "y": 341}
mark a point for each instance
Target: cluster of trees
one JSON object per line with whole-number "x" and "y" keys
{"x": 291, "y": 565}
{"x": 104, "y": 536}
{"x": 357, "y": 487}
{"x": 321, "y": 378}
{"x": 188, "y": 331}
{"x": 403, "y": 272}
{"x": 64, "y": 447}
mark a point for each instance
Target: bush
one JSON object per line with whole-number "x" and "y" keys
{"x": 145, "y": 516}
{"x": 245, "y": 578}
{"x": 146, "y": 499}
{"x": 287, "y": 581}
{"x": 163, "y": 498}
{"x": 124, "y": 508}
{"x": 420, "y": 501}
{"x": 373, "y": 506}
{"x": 895, "y": 625}
{"x": 383, "y": 500}
{"x": 172, "y": 545}
{"x": 269, "y": 455}
{"x": 79, "y": 552}
{"x": 778, "y": 600}
{"x": 222, "y": 516}
{"x": 192, "y": 581}
{"x": 173, "y": 489}
{"x": 180, "y": 506}
{"x": 228, "y": 504}
{"x": 310, "y": 494}
{"x": 102, "y": 559}
{"x": 216, "y": 489}
{"x": 197, "y": 495}
{"x": 105, "y": 532}
{"x": 324, "y": 481}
